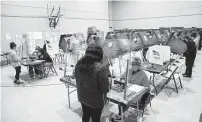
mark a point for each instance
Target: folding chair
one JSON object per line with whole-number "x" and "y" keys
{"x": 170, "y": 74}
{"x": 143, "y": 109}
{"x": 48, "y": 67}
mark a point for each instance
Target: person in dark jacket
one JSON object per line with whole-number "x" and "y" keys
{"x": 190, "y": 55}
{"x": 92, "y": 83}
{"x": 44, "y": 46}
{"x": 43, "y": 56}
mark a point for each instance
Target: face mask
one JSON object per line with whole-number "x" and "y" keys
{"x": 135, "y": 68}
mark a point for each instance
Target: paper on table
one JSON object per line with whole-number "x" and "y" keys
{"x": 135, "y": 88}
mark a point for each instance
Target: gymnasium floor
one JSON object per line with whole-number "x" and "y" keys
{"x": 49, "y": 103}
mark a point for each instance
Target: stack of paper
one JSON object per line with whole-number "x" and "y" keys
{"x": 136, "y": 88}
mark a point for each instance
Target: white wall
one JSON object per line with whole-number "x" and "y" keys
{"x": 137, "y": 14}
{"x": 78, "y": 16}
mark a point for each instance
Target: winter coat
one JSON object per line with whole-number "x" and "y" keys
{"x": 15, "y": 59}
{"x": 92, "y": 86}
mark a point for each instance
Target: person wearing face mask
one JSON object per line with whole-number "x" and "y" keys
{"x": 138, "y": 77}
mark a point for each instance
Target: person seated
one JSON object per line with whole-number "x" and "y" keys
{"x": 138, "y": 77}
{"x": 36, "y": 53}
{"x": 46, "y": 57}
{"x": 43, "y": 56}
{"x": 33, "y": 56}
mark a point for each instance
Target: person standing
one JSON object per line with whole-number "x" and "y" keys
{"x": 92, "y": 83}
{"x": 16, "y": 62}
{"x": 148, "y": 38}
{"x": 75, "y": 50}
{"x": 190, "y": 56}
{"x": 46, "y": 42}
{"x": 196, "y": 39}
{"x": 200, "y": 41}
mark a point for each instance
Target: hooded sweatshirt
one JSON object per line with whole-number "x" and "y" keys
{"x": 15, "y": 59}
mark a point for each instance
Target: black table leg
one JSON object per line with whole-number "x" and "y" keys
{"x": 175, "y": 84}
{"x": 154, "y": 84}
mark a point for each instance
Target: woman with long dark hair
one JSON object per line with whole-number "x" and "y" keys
{"x": 92, "y": 83}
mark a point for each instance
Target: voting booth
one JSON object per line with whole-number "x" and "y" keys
{"x": 111, "y": 35}
{"x": 159, "y": 35}
{"x": 149, "y": 40}
{"x": 111, "y": 48}
{"x": 159, "y": 54}
{"x": 177, "y": 46}
{"x": 137, "y": 42}
{"x": 64, "y": 43}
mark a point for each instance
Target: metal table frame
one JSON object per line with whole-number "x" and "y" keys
{"x": 34, "y": 63}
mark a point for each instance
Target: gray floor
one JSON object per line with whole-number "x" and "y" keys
{"x": 50, "y": 103}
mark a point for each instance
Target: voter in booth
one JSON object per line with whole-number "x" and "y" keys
{"x": 149, "y": 37}
{"x": 190, "y": 55}
{"x": 138, "y": 77}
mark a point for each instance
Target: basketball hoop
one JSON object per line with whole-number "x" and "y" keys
{"x": 53, "y": 18}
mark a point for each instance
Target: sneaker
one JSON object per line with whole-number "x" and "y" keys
{"x": 17, "y": 82}
{"x": 184, "y": 74}
{"x": 116, "y": 118}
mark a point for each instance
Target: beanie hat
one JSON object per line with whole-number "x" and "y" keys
{"x": 94, "y": 51}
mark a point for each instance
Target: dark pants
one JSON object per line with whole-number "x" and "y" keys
{"x": 18, "y": 71}
{"x": 94, "y": 113}
{"x": 142, "y": 103}
{"x": 145, "y": 53}
{"x": 200, "y": 44}
{"x": 189, "y": 61}
{"x": 35, "y": 69}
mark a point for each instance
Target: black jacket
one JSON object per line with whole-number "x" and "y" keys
{"x": 45, "y": 56}
{"x": 92, "y": 89}
{"x": 191, "y": 49}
